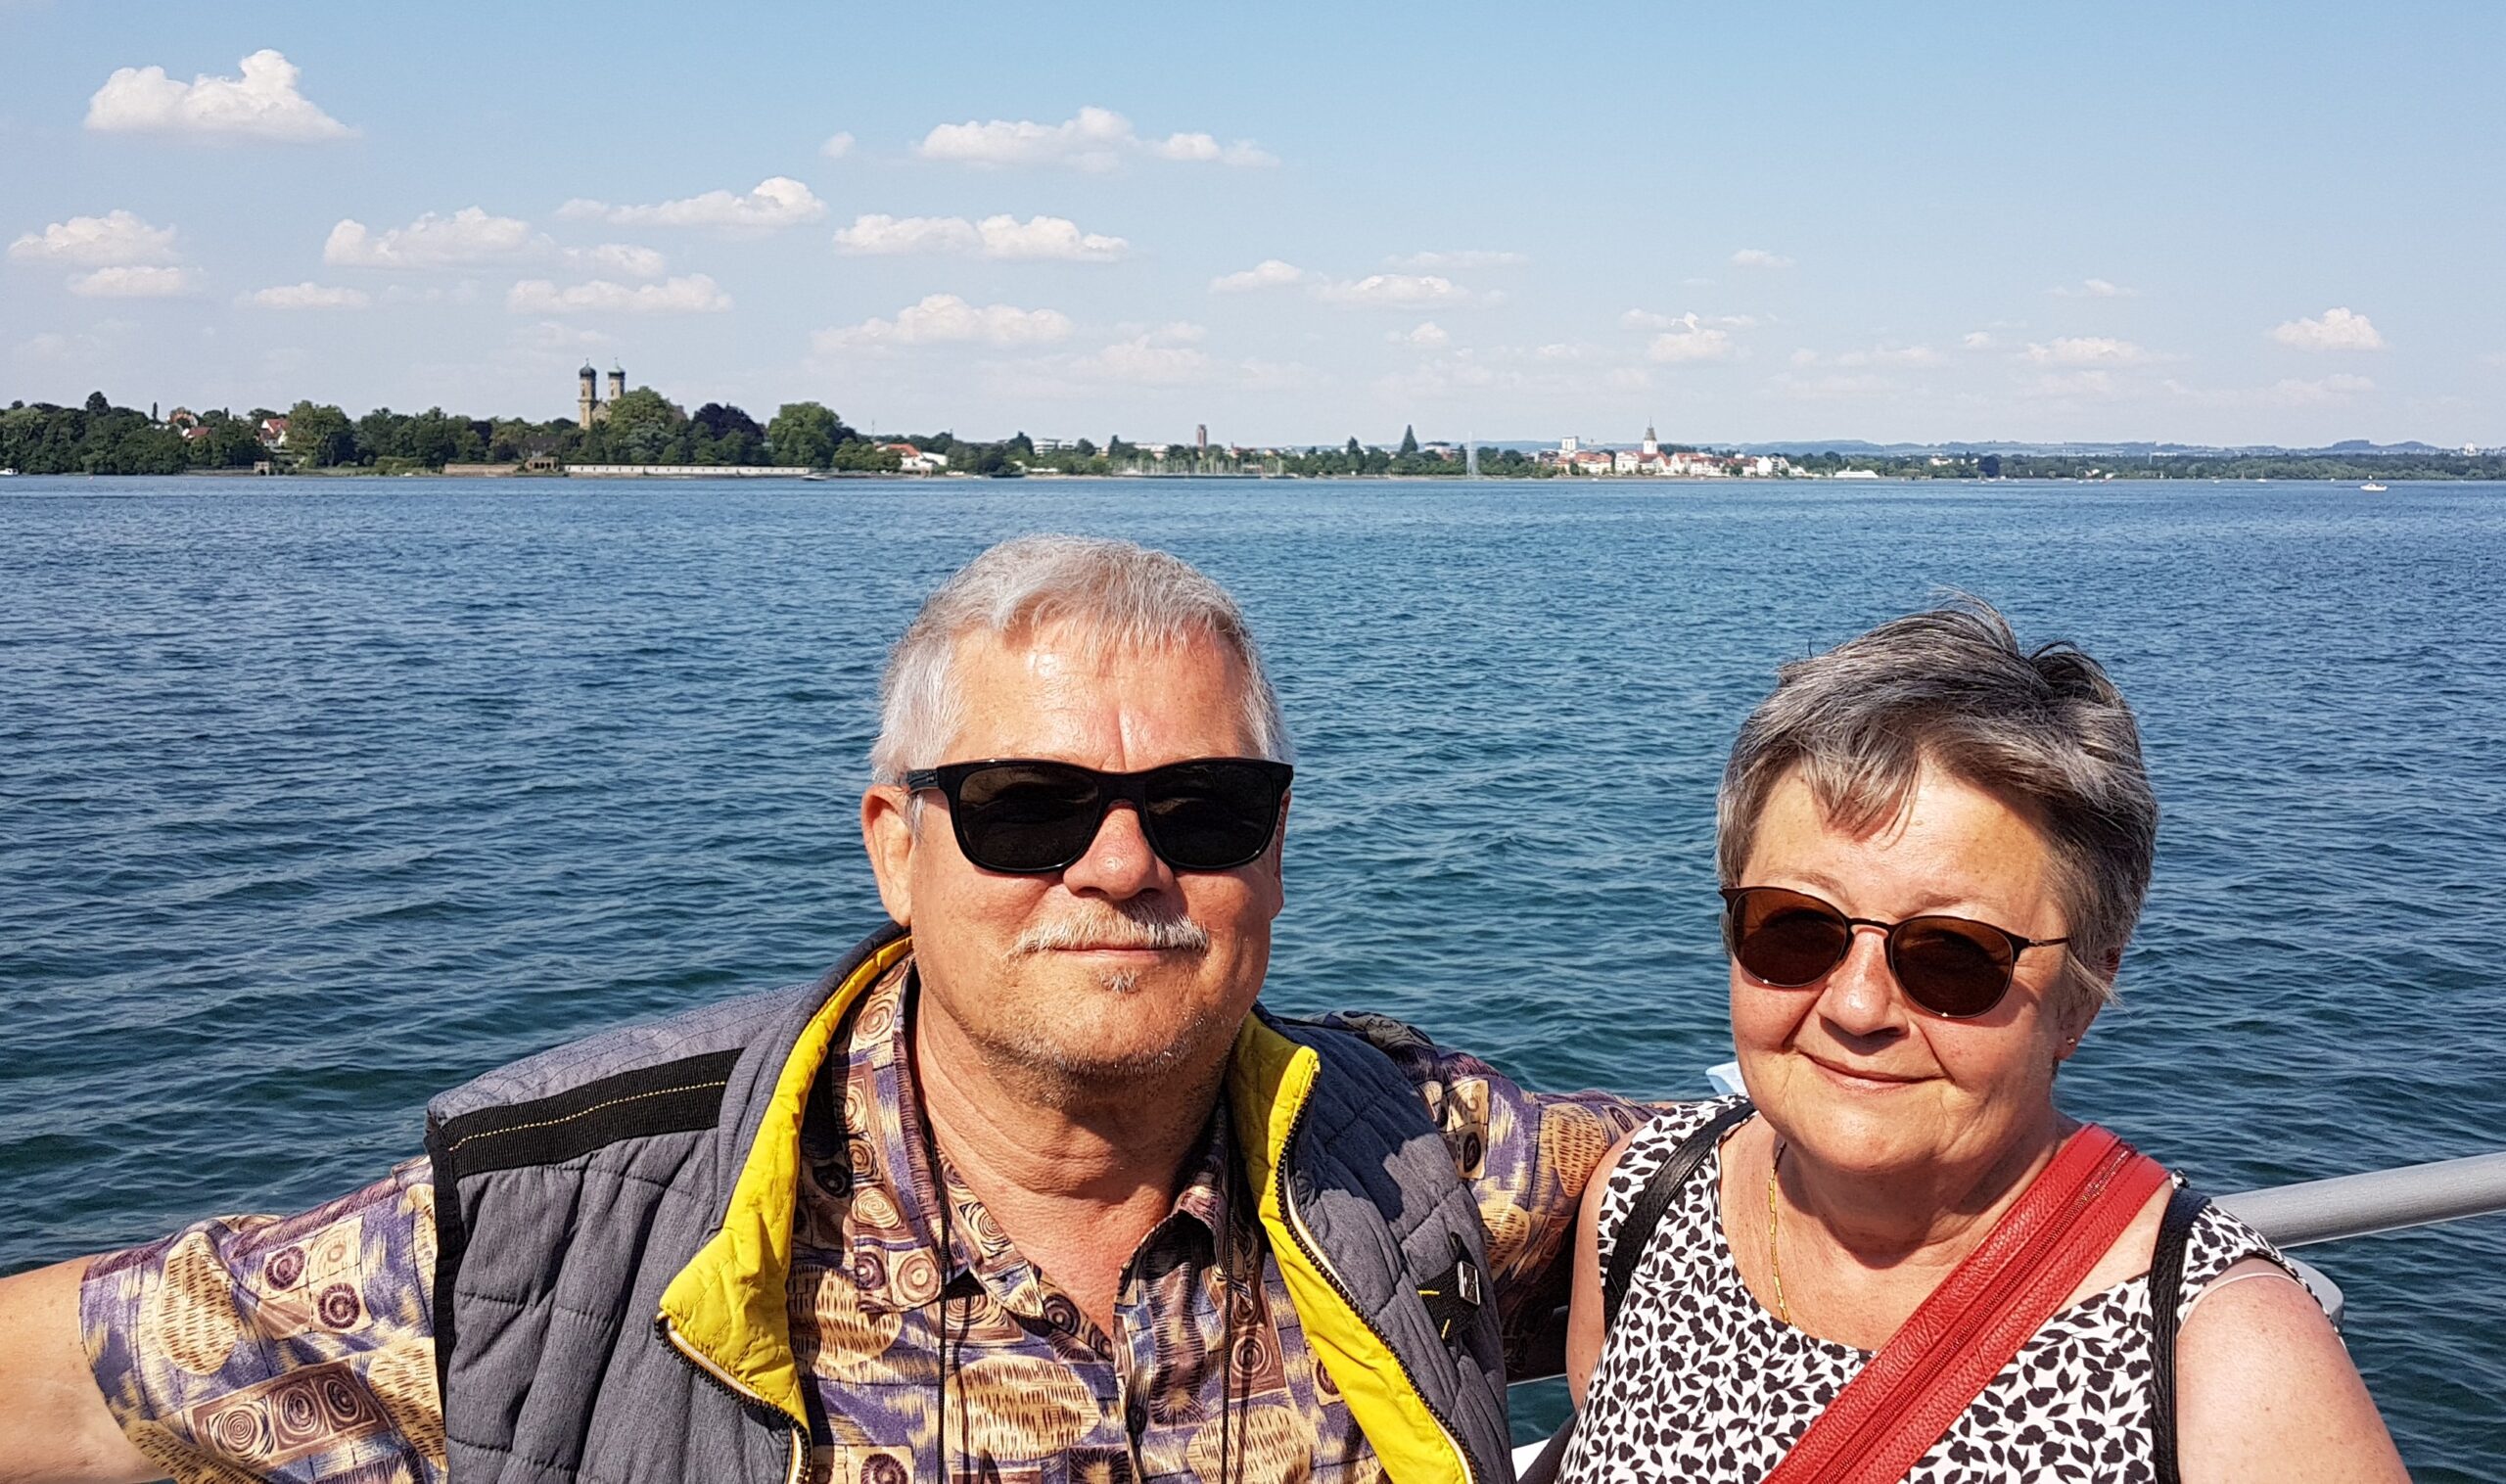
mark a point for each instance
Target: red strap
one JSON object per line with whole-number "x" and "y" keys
{"x": 1935, "y": 1366}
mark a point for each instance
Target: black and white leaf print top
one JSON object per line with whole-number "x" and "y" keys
{"x": 1699, "y": 1384}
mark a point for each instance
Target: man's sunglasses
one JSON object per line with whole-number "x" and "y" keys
{"x": 1031, "y": 818}
{"x": 1952, "y": 966}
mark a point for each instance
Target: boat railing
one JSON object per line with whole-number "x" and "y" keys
{"x": 2300, "y": 1215}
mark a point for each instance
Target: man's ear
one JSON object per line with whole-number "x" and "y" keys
{"x": 1278, "y": 860}
{"x": 887, "y": 834}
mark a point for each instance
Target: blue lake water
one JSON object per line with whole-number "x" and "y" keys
{"x": 316, "y": 797}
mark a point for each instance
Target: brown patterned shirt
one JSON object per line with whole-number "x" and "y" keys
{"x": 299, "y": 1349}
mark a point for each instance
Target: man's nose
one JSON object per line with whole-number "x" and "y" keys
{"x": 1118, "y": 863}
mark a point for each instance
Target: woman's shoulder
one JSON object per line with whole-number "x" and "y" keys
{"x": 2217, "y": 1242}
{"x": 1652, "y": 1143}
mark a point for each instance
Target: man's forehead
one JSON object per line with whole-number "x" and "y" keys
{"x": 1062, "y": 688}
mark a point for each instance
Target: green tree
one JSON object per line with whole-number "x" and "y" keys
{"x": 320, "y": 435}
{"x": 1355, "y": 453}
{"x": 1409, "y": 440}
{"x": 804, "y": 433}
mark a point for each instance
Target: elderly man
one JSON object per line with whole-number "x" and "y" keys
{"x": 1026, "y": 1188}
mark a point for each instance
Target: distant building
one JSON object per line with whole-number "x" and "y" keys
{"x": 274, "y": 433}
{"x": 588, "y": 407}
{"x": 1201, "y": 437}
{"x": 913, "y": 460}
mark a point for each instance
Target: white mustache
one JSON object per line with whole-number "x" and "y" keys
{"x": 1115, "y": 931}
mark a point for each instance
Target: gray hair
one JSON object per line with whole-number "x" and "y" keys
{"x": 2044, "y": 728}
{"x": 1118, "y": 595}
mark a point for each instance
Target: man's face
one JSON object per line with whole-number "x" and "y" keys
{"x": 1044, "y": 972}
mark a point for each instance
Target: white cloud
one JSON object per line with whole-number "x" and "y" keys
{"x": 1977, "y": 339}
{"x": 1429, "y": 334}
{"x": 1877, "y": 356}
{"x": 695, "y": 293}
{"x": 2093, "y": 288}
{"x": 1759, "y": 257}
{"x": 1400, "y": 291}
{"x": 1689, "y": 339}
{"x": 1001, "y": 237}
{"x": 1648, "y": 319}
{"x": 2087, "y": 350}
{"x": 467, "y": 236}
{"x": 1047, "y": 237}
{"x": 263, "y": 103}
{"x": 622, "y": 258}
{"x": 946, "y": 319}
{"x": 777, "y": 202}
{"x": 2335, "y": 330}
{"x": 305, "y": 295}
{"x": 134, "y": 282}
{"x": 465, "y": 292}
{"x": 1140, "y": 362}
{"x": 116, "y": 239}
{"x": 1469, "y": 258}
{"x": 897, "y": 235}
{"x": 837, "y": 146}
{"x": 1097, "y": 139}
{"x": 1269, "y": 273}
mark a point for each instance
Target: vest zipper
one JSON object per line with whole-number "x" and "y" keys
{"x": 1314, "y": 1257}
{"x": 722, "y": 1380}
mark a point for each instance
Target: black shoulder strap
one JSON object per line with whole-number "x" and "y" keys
{"x": 1635, "y": 1233}
{"x": 2166, "y": 1291}
{"x": 1626, "y": 1249}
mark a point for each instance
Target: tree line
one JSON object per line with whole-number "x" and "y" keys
{"x": 642, "y": 427}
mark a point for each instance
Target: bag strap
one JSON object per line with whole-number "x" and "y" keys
{"x": 1635, "y": 1233}
{"x": 1626, "y": 1249}
{"x": 2166, "y": 1291}
{"x": 1944, "y": 1356}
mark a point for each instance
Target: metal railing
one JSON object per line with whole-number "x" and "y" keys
{"x": 2379, "y": 1201}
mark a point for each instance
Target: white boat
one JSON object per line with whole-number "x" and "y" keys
{"x": 2371, "y": 487}
{"x": 8, "y": 474}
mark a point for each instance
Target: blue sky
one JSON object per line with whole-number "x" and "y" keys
{"x": 2216, "y": 223}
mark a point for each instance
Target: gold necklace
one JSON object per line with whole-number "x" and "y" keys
{"x": 1773, "y": 1225}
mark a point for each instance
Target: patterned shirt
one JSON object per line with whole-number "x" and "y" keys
{"x": 300, "y": 1349}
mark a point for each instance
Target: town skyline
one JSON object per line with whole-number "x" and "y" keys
{"x": 1819, "y": 225}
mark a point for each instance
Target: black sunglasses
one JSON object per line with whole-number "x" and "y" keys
{"x": 1029, "y": 816}
{"x": 1952, "y": 966}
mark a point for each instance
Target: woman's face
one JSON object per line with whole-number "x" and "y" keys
{"x": 1850, "y": 1071}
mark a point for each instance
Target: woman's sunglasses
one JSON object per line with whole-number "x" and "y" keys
{"x": 1952, "y": 966}
{"x": 1031, "y": 817}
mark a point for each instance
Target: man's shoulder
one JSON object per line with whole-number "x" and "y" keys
{"x": 717, "y": 1031}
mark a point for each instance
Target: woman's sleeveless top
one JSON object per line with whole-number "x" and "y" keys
{"x": 1699, "y": 1383}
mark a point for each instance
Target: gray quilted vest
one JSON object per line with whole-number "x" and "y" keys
{"x": 609, "y": 1296}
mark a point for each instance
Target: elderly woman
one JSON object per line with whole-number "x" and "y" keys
{"x": 1932, "y": 846}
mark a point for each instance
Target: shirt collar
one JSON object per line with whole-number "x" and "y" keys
{"x": 891, "y": 1225}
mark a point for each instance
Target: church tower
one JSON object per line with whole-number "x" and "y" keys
{"x": 1652, "y": 444}
{"x": 617, "y": 381}
{"x": 588, "y": 401}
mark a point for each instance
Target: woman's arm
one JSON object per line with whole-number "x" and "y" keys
{"x": 2266, "y": 1394}
{"x": 1585, "y": 1327}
